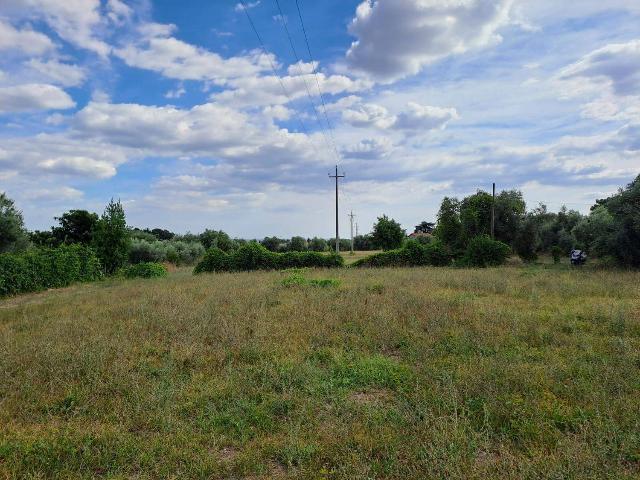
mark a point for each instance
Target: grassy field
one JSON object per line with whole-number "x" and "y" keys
{"x": 398, "y": 373}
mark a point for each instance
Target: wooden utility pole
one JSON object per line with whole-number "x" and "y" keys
{"x": 336, "y": 176}
{"x": 493, "y": 213}
{"x": 351, "y": 216}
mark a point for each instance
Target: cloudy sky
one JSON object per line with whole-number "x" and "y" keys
{"x": 176, "y": 109}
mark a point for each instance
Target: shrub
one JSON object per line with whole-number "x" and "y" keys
{"x": 146, "y": 270}
{"x": 111, "y": 238}
{"x": 413, "y": 254}
{"x": 254, "y": 256}
{"x": 40, "y": 269}
{"x": 556, "y": 253}
{"x": 482, "y": 251}
{"x": 174, "y": 251}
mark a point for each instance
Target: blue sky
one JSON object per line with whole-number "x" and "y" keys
{"x": 174, "y": 108}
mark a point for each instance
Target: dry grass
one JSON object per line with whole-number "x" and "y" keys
{"x": 350, "y": 258}
{"x": 399, "y": 373}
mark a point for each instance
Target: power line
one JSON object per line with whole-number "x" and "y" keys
{"x": 315, "y": 73}
{"x": 283, "y": 20}
{"x": 273, "y": 67}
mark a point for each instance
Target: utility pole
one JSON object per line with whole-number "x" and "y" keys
{"x": 351, "y": 215}
{"x": 493, "y": 213}
{"x": 356, "y": 229}
{"x": 336, "y": 176}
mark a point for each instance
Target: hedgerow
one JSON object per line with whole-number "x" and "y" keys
{"x": 45, "y": 268}
{"x": 145, "y": 270}
{"x": 412, "y": 254}
{"x": 254, "y": 256}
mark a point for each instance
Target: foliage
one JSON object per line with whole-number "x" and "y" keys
{"x": 526, "y": 242}
{"x": 345, "y": 244}
{"x": 556, "y": 253}
{"x": 217, "y": 239}
{"x": 255, "y": 256}
{"x": 298, "y": 244}
{"x": 273, "y": 244}
{"x": 318, "y": 245}
{"x": 13, "y": 237}
{"x": 510, "y": 209}
{"x": 146, "y": 270}
{"x": 425, "y": 227}
{"x": 111, "y": 238}
{"x": 363, "y": 243}
{"x": 39, "y": 269}
{"x": 43, "y": 239}
{"x": 413, "y": 254}
{"x": 296, "y": 278}
{"x": 76, "y": 226}
{"x": 475, "y": 214}
{"x": 173, "y": 251}
{"x": 482, "y": 251}
{"x": 449, "y": 228}
{"x": 387, "y": 234}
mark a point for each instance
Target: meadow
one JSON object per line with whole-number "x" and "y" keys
{"x": 511, "y": 372}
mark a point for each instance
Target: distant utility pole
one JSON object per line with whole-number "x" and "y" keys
{"x": 337, "y": 177}
{"x": 351, "y": 216}
{"x": 493, "y": 213}
{"x": 356, "y": 229}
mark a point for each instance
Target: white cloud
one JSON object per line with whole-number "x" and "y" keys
{"x": 424, "y": 117}
{"x": 176, "y": 93}
{"x": 397, "y": 38}
{"x": 616, "y": 66}
{"x": 59, "y": 73}
{"x": 118, "y": 12}
{"x": 248, "y": 5}
{"x": 27, "y": 97}
{"x": 157, "y": 51}
{"x": 75, "y": 21}
{"x": 27, "y": 41}
{"x": 370, "y": 149}
{"x": 53, "y": 194}
{"x": 368, "y": 115}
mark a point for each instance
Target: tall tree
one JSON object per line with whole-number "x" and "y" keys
{"x": 387, "y": 233}
{"x": 111, "y": 237}
{"x": 13, "y": 236}
{"x": 475, "y": 214}
{"x": 449, "y": 228}
{"x": 510, "y": 209}
{"x": 76, "y": 226}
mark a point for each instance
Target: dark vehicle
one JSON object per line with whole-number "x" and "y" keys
{"x": 578, "y": 257}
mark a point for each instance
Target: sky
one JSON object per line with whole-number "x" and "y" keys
{"x": 194, "y": 120}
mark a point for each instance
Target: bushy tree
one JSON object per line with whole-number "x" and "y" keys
{"x": 273, "y": 244}
{"x": 162, "y": 234}
{"x": 363, "y": 243}
{"x": 216, "y": 239}
{"x": 344, "y": 244}
{"x": 449, "y": 228}
{"x": 475, "y": 214}
{"x": 526, "y": 242}
{"x": 387, "y": 234}
{"x": 298, "y": 244}
{"x": 76, "y": 226}
{"x": 111, "y": 238}
{"x": 594, "y": 233}
{"x": 510, "y": 209}
{"x": 13, "y": 236}
{"x": 318, "y": 245}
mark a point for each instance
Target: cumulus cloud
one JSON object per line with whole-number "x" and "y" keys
{"x": 26, "y": 41}
{"x": 368, "y": 115}
{"x": 59, "y": 73}
{"x": 75, "y": 21}
{"x": 27, "y": 97}
{"x": 369, "y": 149}
{"x": 424, "y": 117}
{"x": 158, "y": 51}
{"x": 616, "y": 66}
{"x": 397, "y": 38}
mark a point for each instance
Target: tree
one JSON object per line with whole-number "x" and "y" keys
{"x": 272, "y": 243}
{"x": 13, "y": 236}
{"x": 387, "y": 233}
{"x": 526, "y": 242}
{"x": 510, "y": 209}
{"x": 475, "y": 214}
{"x": 111, "y": 238}
{"x": 298, "y": 244}
{"x": 318, "y": 245}
{"x": 76, "y": 226}
{"x": 425, "y": 227}
{"x": 216, "y": 239}
{"x": 162, "y": 234}
{"x": 595, "y": 233}
{"x": 43, "y": 239}
{"x": 363, "y": 243}
{"x": 449, "y": 228}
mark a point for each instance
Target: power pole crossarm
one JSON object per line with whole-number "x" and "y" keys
{"x": 337, "y": 177}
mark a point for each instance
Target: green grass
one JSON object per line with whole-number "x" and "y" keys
{"x": 507, "y": 373}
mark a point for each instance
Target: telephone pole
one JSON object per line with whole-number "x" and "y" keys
{"x": 351, "y": 216}
{"x": 493, "y": 213}
{"x": 337, "y": 177}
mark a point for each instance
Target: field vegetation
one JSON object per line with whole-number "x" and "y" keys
{"x": 510, "y": 372}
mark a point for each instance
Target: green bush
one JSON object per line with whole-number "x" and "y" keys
{"x": 44, "y": 268}
{"x": 146, "y": 270}
{"x": 482, "y": 251}
{"x": 254, "y": 256}
{"x": 413, "y": 254}
{"x": 175, "y": 251}
{"x": 556, "y": 253}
